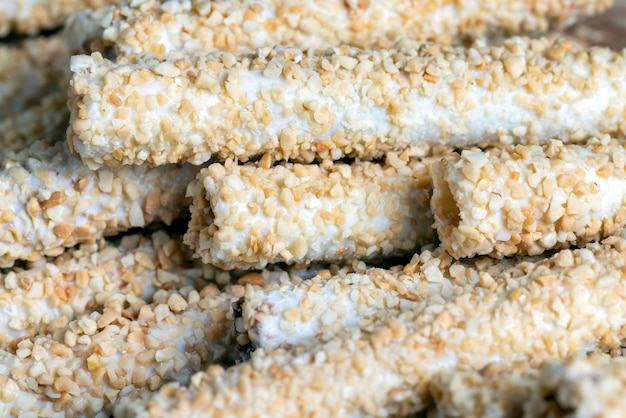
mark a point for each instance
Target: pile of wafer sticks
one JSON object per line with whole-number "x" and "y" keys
{"x": 310, "y": 208}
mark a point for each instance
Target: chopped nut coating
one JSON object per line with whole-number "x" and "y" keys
{"x": 245, "y": 216}
{"x": 306, "y": 104}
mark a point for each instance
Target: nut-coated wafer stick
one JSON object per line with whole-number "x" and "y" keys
{"x": 306, "y": 104}
{"x": 49, "y": 293}
{"x": 592, "y": 386}
{"x": 526, "y": 310}
{"x": 200, "y": 27}
{"x": 45, "y": 121}
{"x": 99, "y": 358}
{"x": 51, "y": 201}
{"x": 30, "y": 70}
{"x": 528, "y": 199}
{"x": 245, "y": 216}
{"x": 32, "y": 16}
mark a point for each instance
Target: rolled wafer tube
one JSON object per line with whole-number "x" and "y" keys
{"x": 32, "y": 16}
{"x": 592, "y": 386}
{"x": 246, "y": 216}
{"x": 200, "y": 27}
{"x": 30, "y": 70}
{"x": 304, "y": 104}
{"x": 46, "y": 120}
{"x": 51, "y": 201}
{"x": 98, "y": 358}
{"x": 509, "y": 311}
{"x": 50, "y": 293}
{"x": 528, "y": 199}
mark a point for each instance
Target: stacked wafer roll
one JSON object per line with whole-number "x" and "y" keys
{"x": 294, "y": 208}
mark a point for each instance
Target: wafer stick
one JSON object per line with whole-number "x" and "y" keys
{"x": 32, "y": 16}
{"x": 198, "y": 27}
{"x": 299, "y": 105}
{"x": 528, "y": 199}
{"x": 302, "y": 314}
{"x": 510, "y": 311}
{"x": 248, "y": 216}
{"x": 592, "y": 386}
{"x": 30, "y": 70}
{"x": 50, "y": 293}
{"x": 51, "y": 201}
{"x": 102, "y": 357}
{"x": 45, "y": 121}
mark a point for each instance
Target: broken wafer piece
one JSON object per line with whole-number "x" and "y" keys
{"x": 529, "y": 199}
{"x": 505, "y": 311}
{"x": 199, "y": 27}
{"x": 593, "y": 386}
{"x": 49, "y": 293}
{"x": 306, "y": 104}
{"x": 51, "y": 201}
{"x": 246, "y": 216}
{"x": 32, "y": 16}
{"x": 30, "y": 70}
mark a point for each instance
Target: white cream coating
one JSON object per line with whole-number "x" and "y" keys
{"x": 301, "y": 104}
{"x": 249, "y": 216}
{"x": 52, "y": 201}
{"x": 529, "y": 199}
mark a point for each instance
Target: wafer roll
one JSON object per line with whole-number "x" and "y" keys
{"x": 509, "y": 311}
{"x": 200, "y": 27}
{"x": 100, "y": 358}
{"x": 45, "y": 121}
{"x": 32, "y": 16}
{"x": 528, "y": 199}
{"x": 30, "y": 70}
{"x": 302, "y": 104}
{"x": 583, "y": 387}
{"x": 51, "y": 201}
{"x": 48, "y": 294}
{"x": 248, "y": 216}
